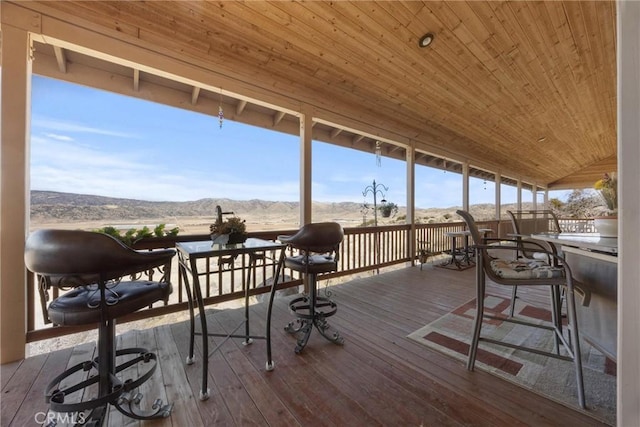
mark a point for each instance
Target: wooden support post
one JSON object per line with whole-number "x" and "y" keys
{"x": 628, "y": 53}
{"x": 15, "y": 103}
{"x": 411, "y": 198}
{"x": 305, "y": 165}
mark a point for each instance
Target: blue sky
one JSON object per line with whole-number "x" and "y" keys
{"x": 93, "y": 142}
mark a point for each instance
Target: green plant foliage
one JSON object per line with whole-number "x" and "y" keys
{"x": 555, "y": 203}
{"x": 580, "y": 204}
{"x": 232, "y": 225}
{"x": 388, "y": 209}
{"x": 131, "y": 236}
{"x": 160, "y": 231}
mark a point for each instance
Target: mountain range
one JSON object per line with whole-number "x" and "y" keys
{"x": 49, "y": 207}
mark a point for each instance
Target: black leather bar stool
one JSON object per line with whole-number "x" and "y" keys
{"x": 318, "y": 245}
{"x": 103, "y": 281}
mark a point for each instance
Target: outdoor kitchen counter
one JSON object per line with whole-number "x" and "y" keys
{"x": 594, "y": 263}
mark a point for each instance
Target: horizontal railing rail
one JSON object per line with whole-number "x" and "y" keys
{"x": 363, "y": 249}
{"x": 575, "y": 225}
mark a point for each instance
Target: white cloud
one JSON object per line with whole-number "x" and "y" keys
{"x": 60, "y": 126}
{"x": 73, "y": 156}
{"x": 70, "y": 167}
{"x": 58, "y": 137}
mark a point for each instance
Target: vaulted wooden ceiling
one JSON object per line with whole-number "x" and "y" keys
{"x": 527, "y": 89}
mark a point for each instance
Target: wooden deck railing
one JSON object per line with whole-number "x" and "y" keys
{"x": 363, "y": 249}
{"x": 573, "y": 225}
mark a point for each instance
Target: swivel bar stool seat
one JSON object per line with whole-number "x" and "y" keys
{"x": 318, "y": 245}
{"x": 103, "y": 281}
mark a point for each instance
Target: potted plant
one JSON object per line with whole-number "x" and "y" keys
{"x": 607, "y": 188}
{"x": 233, "y": 228}
{"x": 387, "y": 209}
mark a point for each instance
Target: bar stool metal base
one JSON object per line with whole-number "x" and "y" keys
{"x": 309, "y": 315}
{"x": 119, "y": 392}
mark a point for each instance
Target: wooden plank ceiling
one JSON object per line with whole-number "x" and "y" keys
{"x": 524, "y": 88}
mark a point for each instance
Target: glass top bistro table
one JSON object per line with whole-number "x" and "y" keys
{"x": 463, "y": 252}
{"x": 189, "y": 253}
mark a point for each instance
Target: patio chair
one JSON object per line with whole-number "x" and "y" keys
{"x": 510, "y": 272}
{"x": 528, "y": 222}
{"x": 318, "y": 245}
{"x": 101, "y": 277}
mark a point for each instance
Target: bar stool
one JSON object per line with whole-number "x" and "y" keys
{"x": 102, "y": 277}
{"x": 507, "y": 272}
{"x": 318, "y": 245}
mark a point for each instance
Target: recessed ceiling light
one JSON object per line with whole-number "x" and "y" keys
{"x": 425, "y": 40}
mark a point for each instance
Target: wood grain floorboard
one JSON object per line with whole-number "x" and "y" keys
{"x": 378, "y": 378}
{"x": 18, "y": 386}
{"x": 212, "y": 411}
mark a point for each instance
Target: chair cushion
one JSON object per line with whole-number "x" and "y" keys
{"x": 317, "y": 263}
{"x": 81, "y": 305}
{"x": 541, "y": 256}
{"x": 530, "y": 269}
{"x": 504, "y": 249}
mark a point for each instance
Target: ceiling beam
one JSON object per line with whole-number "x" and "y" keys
{"x": 241, "y": 106}
{"x": 278, "y": 117}
{"x": 195, "y": 93}
{"x": 61, "y": 58}
{"x": 45, "y": 65}
{"x": 356, "y": 138}
{"x": 173, "y": 67}
{"x": 136, "y": 79}
{"x": 335, "y": 132}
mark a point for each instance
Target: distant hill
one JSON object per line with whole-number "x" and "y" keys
{"x": 50, "y": 205}
{"x": 89, "y": 211}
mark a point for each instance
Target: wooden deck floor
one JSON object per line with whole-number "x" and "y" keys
{"x": 379, "y": 377}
